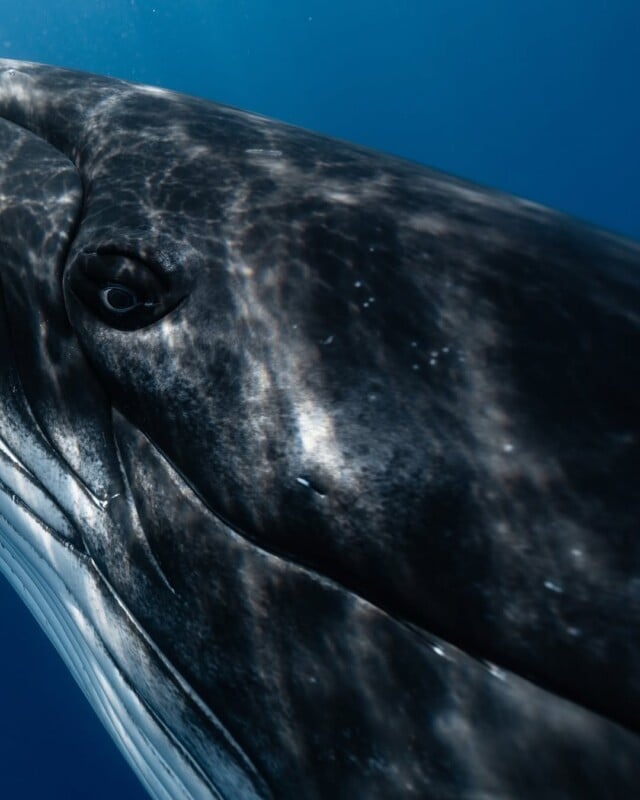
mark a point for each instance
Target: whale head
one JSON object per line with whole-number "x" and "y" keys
{"x": 317, "y": 467}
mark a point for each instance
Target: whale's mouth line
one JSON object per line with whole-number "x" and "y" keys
{"x": 439, "y": 645}
{"x": 19, "y": 482}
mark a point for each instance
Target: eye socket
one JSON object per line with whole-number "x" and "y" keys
{"x": 122, "y": 291}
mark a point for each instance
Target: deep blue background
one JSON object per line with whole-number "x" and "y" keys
{"x": 538, "y": 98}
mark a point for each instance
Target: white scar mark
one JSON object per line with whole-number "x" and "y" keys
{"x": 320, "y": 446}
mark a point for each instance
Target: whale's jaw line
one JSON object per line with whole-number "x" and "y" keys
{"x": 105, "y": 649}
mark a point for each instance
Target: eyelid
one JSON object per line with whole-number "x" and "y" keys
{"x": 158, "y": 271}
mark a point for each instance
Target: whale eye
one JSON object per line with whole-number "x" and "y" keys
{"x": 120, "y": 290}
{"x": 119, "y": 299}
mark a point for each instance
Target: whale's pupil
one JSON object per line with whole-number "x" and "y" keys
{"x": 119, "y": 298}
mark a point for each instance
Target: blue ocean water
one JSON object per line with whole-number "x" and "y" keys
{"x": 537, "y": 98}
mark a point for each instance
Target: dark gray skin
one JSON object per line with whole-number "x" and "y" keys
{"x": 369, "y": 435}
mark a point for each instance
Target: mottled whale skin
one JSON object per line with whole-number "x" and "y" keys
{"x": 319, "y": 468}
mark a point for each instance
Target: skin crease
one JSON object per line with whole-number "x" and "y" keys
{"x": 365, "y": 441}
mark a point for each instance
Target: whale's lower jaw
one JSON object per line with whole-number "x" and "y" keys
{"x": 104, "y": 648}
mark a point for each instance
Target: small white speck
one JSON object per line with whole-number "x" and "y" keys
{"x": 576, "y": 552}
{"x": 328, "y": 340}
{"x": 507, "y": 447}
{"x": 553, "y": 587}
{"x": 445, "y": 349}
{"x": 372, "y": 300}
{"x": 303, "y": 482}
{"x": 358, "y": 284}
{"x": 434, "y": 354}
{"x": 433, "y": 361}
{"x": 497, "y": 672}
{"x": 372, "y": 398}
{"x": 365, "y": 304}
{"x": 574, "y": 631}
{"x": 439, "y": 651}
{"x": 415, "y": 366}
{"x": 414, "y": 344}
{"x": 372, "y": 249}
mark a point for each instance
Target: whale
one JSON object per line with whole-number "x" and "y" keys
{"x": 318, "y": 467}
